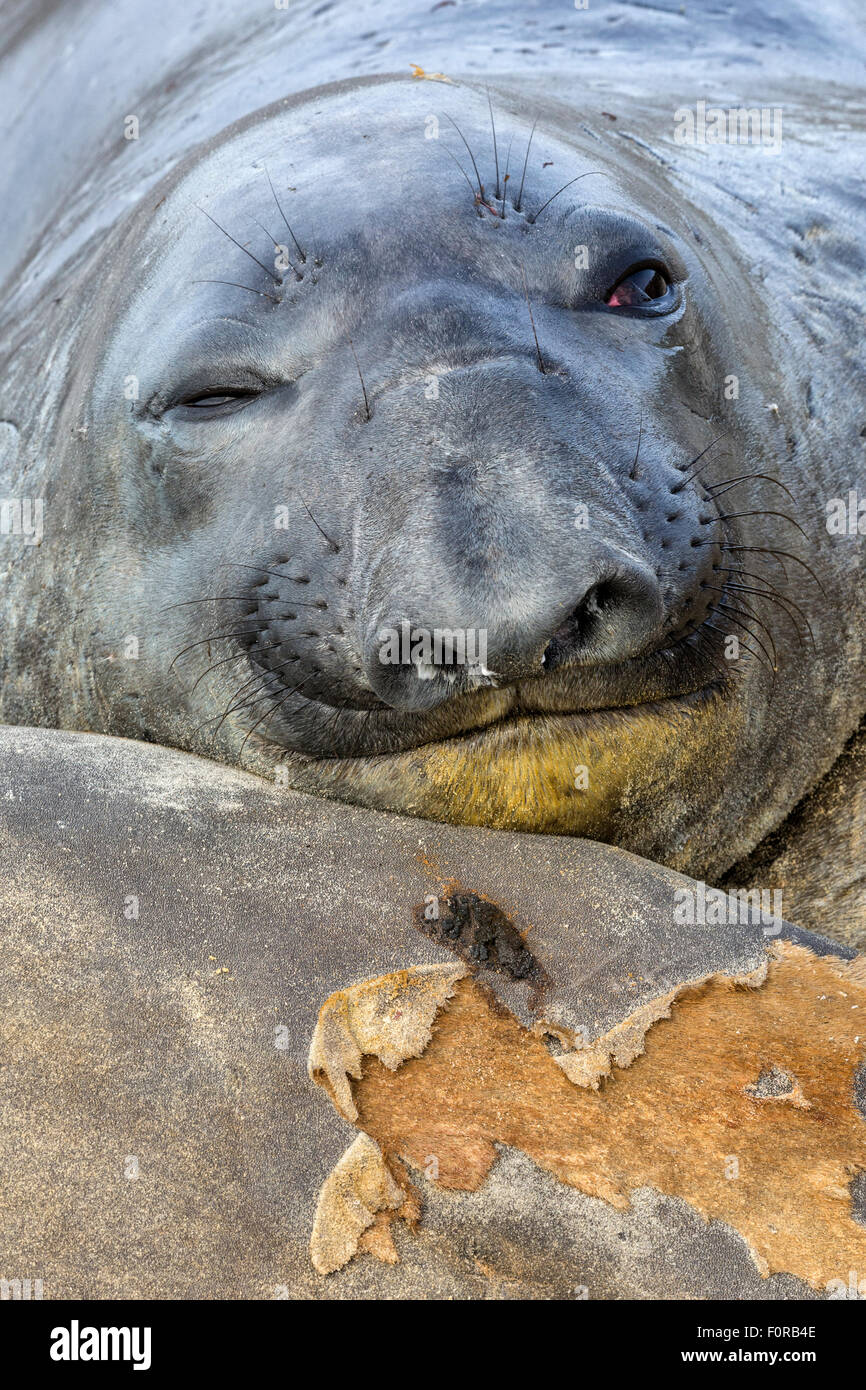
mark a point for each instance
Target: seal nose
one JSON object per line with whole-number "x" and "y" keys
{"x": 417, "y": 662}
{"x": 614, "y": 620}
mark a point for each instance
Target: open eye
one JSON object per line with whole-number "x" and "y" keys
{"x": 639, "y": 287}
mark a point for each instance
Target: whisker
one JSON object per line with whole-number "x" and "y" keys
{"x": 450, "y": 155}
{"x": 259, "y": 569}
{"x": 541, "y": 366}
{"x": 783, "y": 603}
{"x": 718, "y": 489}
{"x": 269, "y": 712}
{"x": 535, "y": 216}
{"x": 248, "y": 598}
{"x": 332, "y": 722}
{"x": 238, "y": 656}
{"x": 722, "y": 607}
{"x": 682, "y": 483}
{"x": 233, "y": 708}
{"x": 495, "y": 150}
{"x": 220, "y": 637}
{"x": 363, "y": 387}
{"x": 710, "y": 648}
{"x": 747, "y": 574}
{"x": 736, "y": 615}
{"x": 726, "y": 549}
{"x": 264, "y": 294}
{"x": 471, "y": 155}
{"x": 213, "y": 719}
{"x": 215, "y": 598}
{"x": 732, "y": 516}
{"x": 264, "y": 672}
{"x": 767, "y": 550}
{"x": 259, "y": 263}
{"x": 525, "y": 162}
{"x": 300, "y": 249}
{"x": 333, "y": 544}
{"x": 745, "y": 644}
{"x": 506, "y": 176}
{"x": 633, "y": 472}
{"x": 277, "y": 247}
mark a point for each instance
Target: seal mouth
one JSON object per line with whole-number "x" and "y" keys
{"x": 678, "y": 675}
{"x": 579, "y": 687}
{"x": 513, "y": 727}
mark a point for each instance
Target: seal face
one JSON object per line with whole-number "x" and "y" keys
{"x": 426, "y": 480}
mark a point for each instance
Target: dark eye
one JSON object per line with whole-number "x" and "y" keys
{"x": 639, "y": 287}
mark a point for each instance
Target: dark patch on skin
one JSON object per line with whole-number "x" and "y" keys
{"x": 480, "y": 933}
{"x": 772, "y": 1083}
{"x": 858, "y": 1198}
{"x": 860, "y": 1089}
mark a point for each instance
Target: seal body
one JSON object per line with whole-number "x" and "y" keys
{"x": 517, "y": 355}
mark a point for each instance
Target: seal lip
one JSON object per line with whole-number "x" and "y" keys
{"x": 518, "y": 725}
{"x": 521, "y": 714}
{"x": 515, "y": 722}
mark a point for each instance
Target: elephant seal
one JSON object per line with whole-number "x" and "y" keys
{"x": 277, "y": 365}
{"x": 555, "y": 378}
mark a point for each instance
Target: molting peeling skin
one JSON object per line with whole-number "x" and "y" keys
{"x": 586, "y": 1064}
{"x": 675, "y": 1106}
{"x": 355, "y": 1207}
{"x": 390, "y": 1018}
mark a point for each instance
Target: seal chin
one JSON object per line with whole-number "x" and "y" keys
{"x": 593, "y": 774}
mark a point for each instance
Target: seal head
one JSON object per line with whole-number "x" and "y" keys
{"x": 418, "y": 481}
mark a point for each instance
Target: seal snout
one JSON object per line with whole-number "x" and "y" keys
{"x": 516, "y": 632}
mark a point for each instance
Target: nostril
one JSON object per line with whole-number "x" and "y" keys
{"x": 578, "y": 628}
{"x": 616, "y": 618}
{"x": 415, "y": 667}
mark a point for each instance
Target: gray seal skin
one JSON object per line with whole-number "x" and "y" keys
{"x": 254, "y": 461}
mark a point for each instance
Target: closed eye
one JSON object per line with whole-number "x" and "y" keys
{"x": 224, "y": 401}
